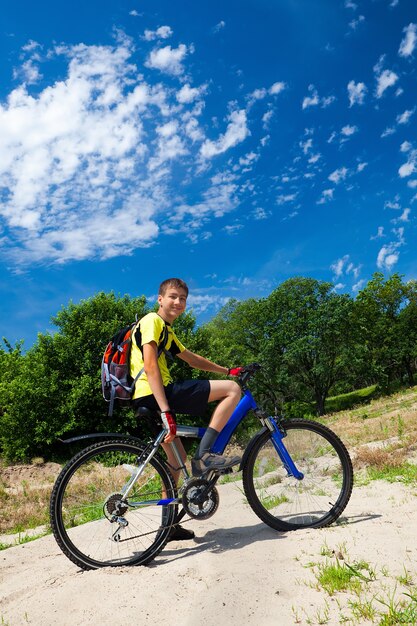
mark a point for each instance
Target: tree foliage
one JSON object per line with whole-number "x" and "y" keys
{"x": 311, "y": 341}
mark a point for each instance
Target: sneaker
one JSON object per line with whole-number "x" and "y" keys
{"x": 179, "y": 533}
{"x": 210, "y": 461}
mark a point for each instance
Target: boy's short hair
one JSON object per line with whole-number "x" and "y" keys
{"x": 172, "y": 282}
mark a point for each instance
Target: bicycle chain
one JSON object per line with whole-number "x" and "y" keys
{"x": 187, "y": 519}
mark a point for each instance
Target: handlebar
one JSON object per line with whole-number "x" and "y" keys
{"x": 247, "y": 372}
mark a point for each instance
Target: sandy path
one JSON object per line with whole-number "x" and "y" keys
{"x": 237, "y": 571}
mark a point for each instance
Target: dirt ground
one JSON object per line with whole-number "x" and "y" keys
{"x": 237, "y": 570}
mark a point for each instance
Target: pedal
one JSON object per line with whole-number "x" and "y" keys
{"x": 228, "y": 470}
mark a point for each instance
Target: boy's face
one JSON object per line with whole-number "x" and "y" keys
{"x": 172, "y": 303}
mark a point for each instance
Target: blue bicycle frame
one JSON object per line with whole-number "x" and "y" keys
{"x": 246, "y": 404}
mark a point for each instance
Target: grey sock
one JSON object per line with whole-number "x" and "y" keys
{"x": 206, "y": 442}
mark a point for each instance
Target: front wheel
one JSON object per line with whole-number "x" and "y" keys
{"x": 95, "y": 524}
{"x": 286, "y": 503}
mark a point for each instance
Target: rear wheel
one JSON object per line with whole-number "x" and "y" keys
{"x": 92, "y": 521}
{"x": 286, "y": 503}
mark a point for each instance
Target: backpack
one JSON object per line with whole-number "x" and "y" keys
{"x": 116, "y": 381}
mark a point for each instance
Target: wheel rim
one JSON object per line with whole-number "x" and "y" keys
{"x": 96, "y": 524}
{"x": 312, "y": 501}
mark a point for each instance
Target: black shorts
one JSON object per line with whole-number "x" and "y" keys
{"x": 188, "y": 396}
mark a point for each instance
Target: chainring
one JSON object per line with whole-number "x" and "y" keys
{"x": 197, "y": 503}
{"x": 115, "y": 506}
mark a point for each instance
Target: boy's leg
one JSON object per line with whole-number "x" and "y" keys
{"x": 172, "y": 459}
{"x": 178, "y": 533}
{"x": 228, "y": 393}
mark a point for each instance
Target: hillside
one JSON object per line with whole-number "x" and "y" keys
{"x": 360, "y": 571}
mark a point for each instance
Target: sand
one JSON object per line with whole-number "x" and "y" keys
{"x": 236, "y": 571}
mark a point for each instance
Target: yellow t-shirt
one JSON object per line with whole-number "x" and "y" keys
{"x": 152, "y": 328}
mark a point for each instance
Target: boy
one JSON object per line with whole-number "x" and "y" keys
{"x": 156, "y": 391}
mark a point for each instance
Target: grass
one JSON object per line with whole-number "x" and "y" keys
{"x": 400, "y": 611}
{"x": 270, "y": 501}
{"x": 24, "y": 538}
{"x": 336, "y": 576}
{"x": 23, "y": 507}
{"x": 350, "y": 400}
{"x": 361, "y": 592}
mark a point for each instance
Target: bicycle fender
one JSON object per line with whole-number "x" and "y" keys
{"x": 98, "y": 436}
{"x": 250, "y": 445}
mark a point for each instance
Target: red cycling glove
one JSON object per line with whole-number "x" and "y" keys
{"x": 235, "y": 371}
{"x": 168, "y": 420}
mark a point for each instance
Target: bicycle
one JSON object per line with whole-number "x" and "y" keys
{"x": 114, "y": 503}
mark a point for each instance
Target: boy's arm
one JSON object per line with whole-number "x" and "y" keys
{"x": 200, "y": 363}
{"x": 153, "y": 374}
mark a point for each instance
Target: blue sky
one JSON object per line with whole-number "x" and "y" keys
{"x": 234, "y": 144}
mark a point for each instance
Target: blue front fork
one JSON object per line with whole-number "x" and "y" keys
{"x": 277, "y": 437}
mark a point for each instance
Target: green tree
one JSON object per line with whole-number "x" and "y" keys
{"x": 310, "y": 333}
{"x": 386, "y": 315}
{"x": 56, "y": 389}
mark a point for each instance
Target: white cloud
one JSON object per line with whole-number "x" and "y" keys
{"x": 386, "y": 79}
{"x": 261, "y": 93}
{"x": 315, "y": 100}
{"x": 344, "y": 266}
{"x": 219, "y": 26}
{"x": 266, "y": 118}
{"x": 29, "y": 72}
{"x": 390, "y": 130}
{"x": 356, "y": 92}
{"x": 276, "y": 88}
{"x": 326, "y": 196}
{"x": 306, "y": 145}
{"x": 354, "y": 24}
{"x": 284, "y": 198}
{"x": 406, "y": 146}
{"x": 188, "y": 94}
{"x": 379, "y": 234}
{"x": 348, "y": 131}
{"x": 260, "y": 214}
{"x": 409, "y": 167}
{"x": 232, "y": 229}
{"x": 236, "y": 132}
{"x": 207, "y": 302}
{"x": 361, "y": 167}
{"x": 404, "y": 118}
{"x": 168, "y": 60}
{"x": 409, "y": 41}
{"x": 338, "y": 175}
{"x": 338, "y": 266}
{"x": 388, "y": 257}
{"x": 163, "y": 32}
{"x": 358, "y": 286}
{"x": 404, "y": 217}
{"x": 91, "y": 156}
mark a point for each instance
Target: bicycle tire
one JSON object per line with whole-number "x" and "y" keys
{"x": 87, "y": 493}
{"x": 285, "y": 503}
